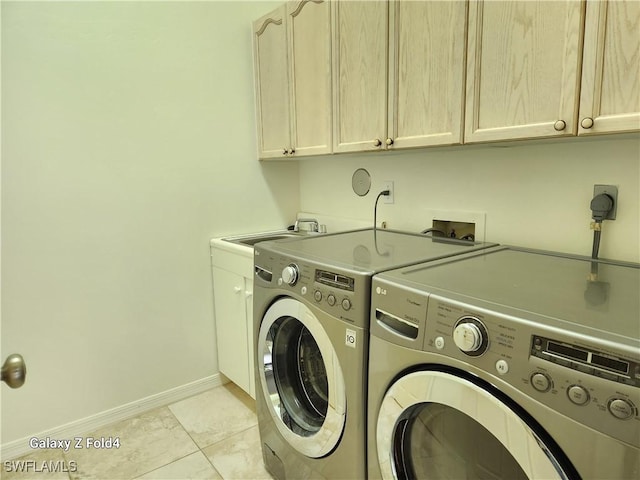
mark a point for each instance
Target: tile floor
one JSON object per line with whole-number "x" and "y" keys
{"x": 213, "y": 435}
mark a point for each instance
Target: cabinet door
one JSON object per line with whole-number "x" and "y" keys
{"x": 309, "y": 31}
{"x": 610, "y": 95}
{"x": 359, "y": 75}
{"x": 231, "y": 327}
{"x": 271, "y": 84}
{"x": 248, "y": 293}
{"x": 426, "y": 72}
{"x": 523, "y": 69}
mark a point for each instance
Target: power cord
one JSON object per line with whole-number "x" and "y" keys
{"x": 600, "y": 206}
{"x": 597, "y": 291}
{"x": 383, "y": 193}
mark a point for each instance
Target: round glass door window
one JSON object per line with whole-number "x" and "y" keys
{"x": 301, "y": 378}
{"x": 438, "y": 425}
{"x": 436, "y": 441}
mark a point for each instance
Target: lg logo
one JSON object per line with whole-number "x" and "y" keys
{"x": 381, "y": 291}
{"x": 350, "y": 338}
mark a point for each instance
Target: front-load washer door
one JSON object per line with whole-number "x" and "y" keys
{"x": 441, "y": 425}
{"x": 301, "y": 378}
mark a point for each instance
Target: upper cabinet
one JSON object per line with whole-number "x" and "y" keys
{"x": 360, "y": 75}
{"x": 292, "y": 61}
{"x": 523, "y": 67}
{"x": 398, "y": 74}
{"x": 426, "y": 73}
{"x": 353, "y": 76}
{"x": 272, "y": 84}
{"x": 610, "y": 93}
{"x": 309, "y": 33}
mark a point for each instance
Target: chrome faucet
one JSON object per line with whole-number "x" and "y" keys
{"x": 315, "y": 226}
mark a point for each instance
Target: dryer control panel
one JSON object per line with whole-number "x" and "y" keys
{"x": 593, "y": 384}
{"x": 588, "y": 360}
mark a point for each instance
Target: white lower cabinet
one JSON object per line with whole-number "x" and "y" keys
{"x": 233, "y": 305}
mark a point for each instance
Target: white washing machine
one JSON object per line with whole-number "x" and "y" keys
{"x": 505, "y": 363}
{"x": 311, "y": 321}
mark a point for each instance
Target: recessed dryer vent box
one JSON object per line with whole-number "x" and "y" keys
{"x": 454, "y": 229}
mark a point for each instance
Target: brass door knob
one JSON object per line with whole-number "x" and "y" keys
{"x": 560, "y": 125}
{"x": 586, "y": 122}
{"x": 389, "y": 141}
{"x": 291, "y": 151}
{"x": 14, "y": 371}
{"x": 284, "y": 151}
{"x": 377, "y": 142}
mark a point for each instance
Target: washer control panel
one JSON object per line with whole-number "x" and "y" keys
{"x": 334, "y": 288}
{"x": 338, "y": 293}
{"x": 595, "y": 385}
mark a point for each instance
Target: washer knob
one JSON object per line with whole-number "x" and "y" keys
{"x": 331, "y": 300}
{"x": 578, "y": 395}
{"x": 541, "y": 382}
{"x": 290, "y": 274}
{"x": 467, "y": 337}
{"x": 621, "y": 408}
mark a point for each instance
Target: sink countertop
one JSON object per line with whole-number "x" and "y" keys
{"x": 226, "y": 243}
{"x": 232, "y": 243}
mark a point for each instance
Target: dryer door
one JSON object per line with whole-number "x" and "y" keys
{"x": 435, "y": 424}
{"x": 301, "y": 378}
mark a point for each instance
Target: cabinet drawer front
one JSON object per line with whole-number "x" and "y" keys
{"x": 230, "y": 261}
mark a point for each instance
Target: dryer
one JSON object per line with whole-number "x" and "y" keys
{"x": 311, "y": 327}
{"x": 505, "y": 363}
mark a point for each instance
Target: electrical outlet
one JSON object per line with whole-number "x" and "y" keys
{"x": 388, "y": 185}
{"x": 612, "y": 191}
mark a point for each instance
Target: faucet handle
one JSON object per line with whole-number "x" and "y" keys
{"x": 315, "y": 226}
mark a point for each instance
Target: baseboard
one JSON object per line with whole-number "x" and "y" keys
{"x": 21, "y": 447}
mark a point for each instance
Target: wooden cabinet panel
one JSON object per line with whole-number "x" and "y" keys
{"x": 349, "y": 76}
{"x": 309, "y": 30}
{"x": 231, "y": 327}
{"x": 271, "y": 84}
{"x": 360, "y": 75}
{"x": 426, "y": 72}
{"x": 292, "y": 64}
{"x": 523, "y": 63}
{"x": 610, "y": 95}
{"x": 248, "y": 294}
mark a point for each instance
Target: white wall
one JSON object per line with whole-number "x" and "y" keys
{"x": 128, "y": 141}
{"x": 534, "y": 194}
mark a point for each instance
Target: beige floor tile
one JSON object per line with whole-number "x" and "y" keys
{"x": 216, "y": 414}
{"x": 147, "y": 442}
{"x": 39, "y": 465}
{"x": 239, "y": 457}
{"x": 192, "y": 467}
